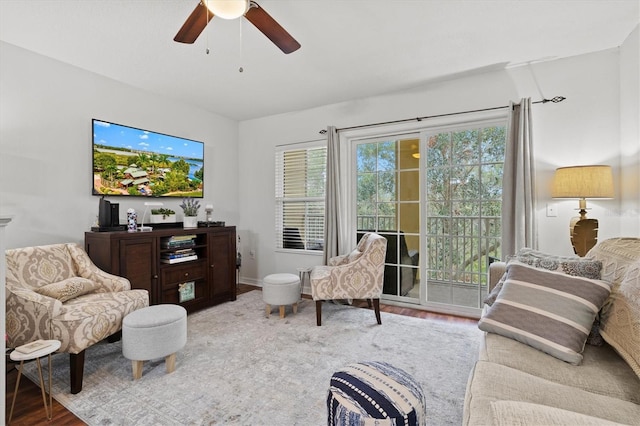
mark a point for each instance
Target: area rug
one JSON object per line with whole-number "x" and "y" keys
{"x": 241, "y": 368}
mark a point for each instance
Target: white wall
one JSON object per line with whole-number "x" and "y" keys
{"x": 45, "y": 146}
{"x": 584, "y": 129}
{"x": 630, "y": 134}
{"x": 45, "y": 132}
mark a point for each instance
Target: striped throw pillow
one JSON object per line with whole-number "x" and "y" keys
{"x": 549, "y": 311}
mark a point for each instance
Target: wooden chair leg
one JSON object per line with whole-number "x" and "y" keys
{"x": 376, "y": 307}
{"x": 369, "y": 303}
{"x": 318, "y": 312}
{"x": 170, "y": 363}
{"x": 76, "y": 370}
{"x": 136, "y": 367}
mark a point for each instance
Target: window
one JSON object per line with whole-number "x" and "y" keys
{"x": 300, "y": 196}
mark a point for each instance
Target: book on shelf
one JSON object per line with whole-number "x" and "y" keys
{"x": 182, "y": 237}
{"x": 174, "y": 255}
{"x": 185, "y": 250}
{"x": 178, "y": 244}
{"x": 180, "y": 259}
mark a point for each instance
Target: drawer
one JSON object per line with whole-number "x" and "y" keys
{"x": 189, "y": 271}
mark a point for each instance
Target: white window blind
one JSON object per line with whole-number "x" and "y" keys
{"x": 300, "y": 196}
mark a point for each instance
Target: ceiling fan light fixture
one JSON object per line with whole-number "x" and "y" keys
{"x": 227, "y": 9}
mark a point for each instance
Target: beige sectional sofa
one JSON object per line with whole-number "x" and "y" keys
{"x": 515, "y": 384}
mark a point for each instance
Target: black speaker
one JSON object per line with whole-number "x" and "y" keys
{"x": 108, "y": 214}
{"x": 115, "y": 214}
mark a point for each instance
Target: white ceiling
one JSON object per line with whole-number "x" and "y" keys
{"x": 350, "y": 48}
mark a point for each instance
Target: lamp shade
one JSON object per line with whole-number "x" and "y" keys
{"x": 227, "y": 9}
{"x": 583, "y": 182}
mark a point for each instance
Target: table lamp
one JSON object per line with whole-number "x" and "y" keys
{"x": 583, "y": 182}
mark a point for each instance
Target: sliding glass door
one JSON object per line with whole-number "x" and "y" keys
{"x": 463, "y": 181}
{"x": 388, "y": 202}
{"x": 436, "y": 196}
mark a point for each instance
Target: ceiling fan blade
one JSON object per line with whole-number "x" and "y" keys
{"x": 194, "y": 25}
{"x": 269, "y": 27}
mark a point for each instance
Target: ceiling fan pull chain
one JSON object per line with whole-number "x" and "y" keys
{"x": 240, "y": 69}
{"x": 208, "y": 19}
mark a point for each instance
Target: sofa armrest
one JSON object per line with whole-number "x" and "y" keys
{"x": 85, "y": 268}
{"x": 496, "y": 270}
{"x": 28, "y": 315}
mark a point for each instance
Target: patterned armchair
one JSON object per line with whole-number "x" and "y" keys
{"x": 358, "y": 275}
{"x": 56, "y": 292}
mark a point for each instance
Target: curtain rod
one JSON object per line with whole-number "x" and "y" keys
{"x": 555, "y": 99}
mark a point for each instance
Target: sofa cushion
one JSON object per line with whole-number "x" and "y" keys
{"x": 509, "y": 413}
{"x": 570, "y": 265}
{"x": 68, "y": 289}
{"x": 602, "y": 370}
{"x": 491, "y": 382}
{"x": 621, "y": 322}
{"x": 547, "y": 310}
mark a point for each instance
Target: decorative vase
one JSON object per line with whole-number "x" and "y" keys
{"x": 190, "y": 222}
{"x": 132, "y": 220}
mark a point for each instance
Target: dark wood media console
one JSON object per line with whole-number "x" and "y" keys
{"x": 198, "y": 263}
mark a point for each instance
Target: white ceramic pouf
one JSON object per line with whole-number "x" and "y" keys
{"x": 154, "y": 332}
{"x": 281, "y": 290}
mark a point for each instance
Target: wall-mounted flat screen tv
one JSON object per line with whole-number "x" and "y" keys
{"x": 133, "y": 162}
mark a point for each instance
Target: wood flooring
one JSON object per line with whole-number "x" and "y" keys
{"x": 29, "y": 410}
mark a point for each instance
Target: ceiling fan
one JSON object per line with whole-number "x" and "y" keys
{"x": 232, "y": 9}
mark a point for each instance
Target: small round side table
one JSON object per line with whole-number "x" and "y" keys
{"x": 51, "y": 347}
{"x": 302, "y": 273}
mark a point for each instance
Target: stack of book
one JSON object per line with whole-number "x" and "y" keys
{"x": 180, "y": 249}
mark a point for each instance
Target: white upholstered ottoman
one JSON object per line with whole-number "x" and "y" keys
{"x": 281, "y": 290}
{"x": 154, "y": 332}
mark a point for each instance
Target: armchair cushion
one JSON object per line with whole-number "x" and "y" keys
{"x": 337, "y": 260}
{"x": 68, "y": 289}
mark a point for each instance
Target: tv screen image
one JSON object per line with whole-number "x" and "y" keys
{"x": 133, "y": 162}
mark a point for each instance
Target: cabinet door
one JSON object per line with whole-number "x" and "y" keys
{"x": 222, "y": 252}
{"x": 138, "y": 264}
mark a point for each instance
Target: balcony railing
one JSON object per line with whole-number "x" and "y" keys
{"x": 377, "y": 223}
{"x": 459, "y": 249}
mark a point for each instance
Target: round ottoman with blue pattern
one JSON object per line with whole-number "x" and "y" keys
{"x": 375, "y": 393}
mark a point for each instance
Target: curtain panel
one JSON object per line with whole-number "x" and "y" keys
{"x": 332, "y": 225}
{"x": 518, "y": 182}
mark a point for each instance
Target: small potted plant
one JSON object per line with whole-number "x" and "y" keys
{"x": 163, "y": 216}
{"x": 190, "y": 209}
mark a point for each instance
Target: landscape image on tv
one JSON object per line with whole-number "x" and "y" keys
{"x": 136, "y": 162}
